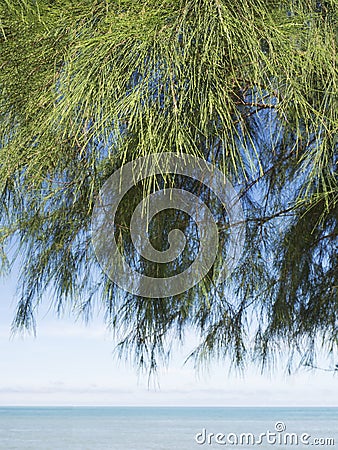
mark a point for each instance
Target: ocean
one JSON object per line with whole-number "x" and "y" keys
{"x": 166, "y": 428}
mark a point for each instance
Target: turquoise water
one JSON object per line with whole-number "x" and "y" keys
{"x": 164, "y": 428}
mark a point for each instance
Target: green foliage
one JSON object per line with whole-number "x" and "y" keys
{"x": 248, "y": 85}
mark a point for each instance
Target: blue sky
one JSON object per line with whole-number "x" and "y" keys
{"x": 69, "y": 363}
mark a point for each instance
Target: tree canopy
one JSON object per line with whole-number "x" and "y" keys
{"x": 248, "y": 85}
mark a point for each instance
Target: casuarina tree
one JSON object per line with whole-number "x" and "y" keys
{"x": 250, "y": 87}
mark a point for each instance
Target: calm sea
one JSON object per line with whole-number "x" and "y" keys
{"x": 167, "y": 428}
